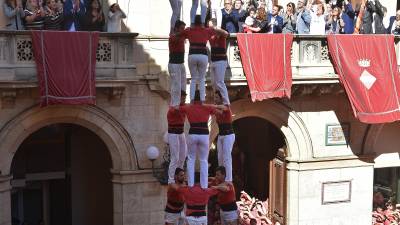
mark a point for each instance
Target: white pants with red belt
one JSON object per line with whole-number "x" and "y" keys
{"x": 194, "y": 220}
{"x": 198, "y": 67}
{"x": 218, "y": 69}
{"x": 198, "y": 145}
{"x": 224, "y": 147}
{"x": 178, "y": 151}
{"x": 177, "y": 73}
{"x": 203, "y": 10}
{"x": 176, "y": 6}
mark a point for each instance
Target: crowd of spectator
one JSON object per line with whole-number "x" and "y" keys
{"x": 69, "y": 15}
{"x": 317, "y": 17}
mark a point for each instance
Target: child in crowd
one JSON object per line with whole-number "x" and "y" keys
{"x": 249, "y": 23}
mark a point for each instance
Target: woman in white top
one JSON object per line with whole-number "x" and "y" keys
{"x": 318, "y": 22}
{"x": 115, "y": 16}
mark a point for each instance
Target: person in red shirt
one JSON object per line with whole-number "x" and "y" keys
{"x": 198, "y": 37}
{"x": 226, "y": 198}
{"x": 176, "y": 66}
{"x": 176, "y": 139}
{"x": 198, "y": 115}
{"x": 226, "y": 136}
{"x": 219, "y": 61}
{"x": 196, "y": 199}
{"x": 175, "y": 200}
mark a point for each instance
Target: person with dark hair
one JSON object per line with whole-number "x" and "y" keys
{"x": 94, "y": 18}
{"x": 53, "y": 19}
{"x": 115, "y": 16}
{"x": 34, "y": 15}
{"x": 198, "y": 37}
{"x": 175, "y": 200}
{"x": 196, "y": 199}
{"x": 219, "y": 61}
{"x": 289, "y": 19}
{"x": 275, "y": 22}
{"x": 335, "y": 23}
{"x": 176, "y": 67}
{"x": 226, "y": 136}
{"x": 15, "y": 13}
{"x": 348, "y": 15}
{"x": 198, "y": 115}
{"x": 226, "y": 198}
{"x": 176, "y": 139}
{"x": 74, "y": 11}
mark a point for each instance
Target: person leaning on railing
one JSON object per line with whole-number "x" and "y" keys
{"x": 15, "y": 13}
{"x": 94, "y": 18}
{"x": 53, "y": 19}
{"x": 34, "y": 15}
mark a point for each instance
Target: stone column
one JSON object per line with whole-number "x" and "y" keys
{"x": 138, "y": 198}
{"x": 5, "y": 200}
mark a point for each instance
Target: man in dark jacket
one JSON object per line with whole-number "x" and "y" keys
{"x": 378, "y": 18}
{"x": 348, "y": 17}
{"x": 368, "y": 17}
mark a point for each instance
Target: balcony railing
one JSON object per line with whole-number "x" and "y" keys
{"x": 114, "y": 57}
{"x": 126, "y": 57}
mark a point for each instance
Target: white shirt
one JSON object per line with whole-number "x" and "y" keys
{"x": 317, "y": 25}
{"x": 114, "y": 21}
{"x": 272, "y": 22}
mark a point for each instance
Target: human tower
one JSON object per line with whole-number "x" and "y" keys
{"x": 186, "y": 203}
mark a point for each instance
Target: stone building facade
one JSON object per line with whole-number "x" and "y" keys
{"x": 314, "y": 179}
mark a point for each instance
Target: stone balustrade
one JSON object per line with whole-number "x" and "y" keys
{"x": 114, "y": 57}
{"x": 125, "y": 57}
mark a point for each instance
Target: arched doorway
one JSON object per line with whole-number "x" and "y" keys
{"x": 61, "y": 175}
{"x": 257, "y": 144}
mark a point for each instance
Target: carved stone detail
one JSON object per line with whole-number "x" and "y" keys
{"x": 24, "y": 50}
{"x": 103, "y": 52}
{"x": 310, "y": 52}
{"x": 324, "y": 51}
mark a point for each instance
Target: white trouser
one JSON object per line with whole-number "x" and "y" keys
{"x": 177, "y": 73}
{"x": 229, "y": 217}
{"x": 174, "y": 218}
{"x": 198, "y": 68}
{"x": 178, "y": 151}
{"x": 224, "y": 146}
{"x": 202, "y": 220}
{"x": 218, "y": 69}
{"x": 203, "y": 10}
{"x": 198, "y": 145}
{"x": 176, "y": 6}
{"x": 216, "y": 13}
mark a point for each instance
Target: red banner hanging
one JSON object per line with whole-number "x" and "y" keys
{"x": 367, "y": 68}
{"x": 266, "y": 64}
{"x": 66, "y": 63}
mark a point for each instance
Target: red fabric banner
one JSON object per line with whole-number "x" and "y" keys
{"x": 367, "y": 68}
{"x": 266, "y": 64}
{"x": 66, "y": 63}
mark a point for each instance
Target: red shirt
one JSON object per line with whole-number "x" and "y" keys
{"x": 218, "y": 41}
{"x": 176, "y": 118}
{"x": 176, "y": 43}
{"x": 225, "y": 117}
{"x": 197, "y": 113}
{"x": 198, "y": 34}
{"x": 175, "y": 200}
{"x": 196, "y": 196}
{"x": 227, "y": 197}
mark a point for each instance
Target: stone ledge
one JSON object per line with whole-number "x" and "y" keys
{"x": 133, "y": 176}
